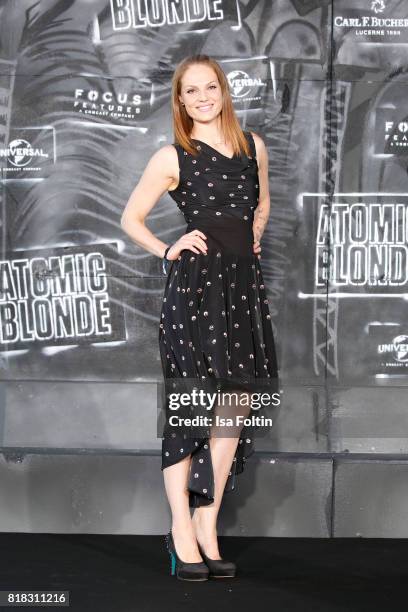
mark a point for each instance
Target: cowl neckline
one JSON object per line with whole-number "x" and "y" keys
{"x": 236, "y": 160}
{"x": 215, "y": 150}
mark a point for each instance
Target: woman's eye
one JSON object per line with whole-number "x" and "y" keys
{"x": 191, "y": 90}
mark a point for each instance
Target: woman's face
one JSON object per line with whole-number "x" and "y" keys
{"x": 201, "y": 93}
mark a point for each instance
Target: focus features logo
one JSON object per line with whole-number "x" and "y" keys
{"x": 396, "y": 136}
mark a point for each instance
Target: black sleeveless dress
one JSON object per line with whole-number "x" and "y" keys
{"x": 215, "y": 330}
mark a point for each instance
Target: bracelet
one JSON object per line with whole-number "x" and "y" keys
{"x": 165, "y": 261}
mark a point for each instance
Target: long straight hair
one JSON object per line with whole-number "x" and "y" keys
{"x": 183, "y": 123}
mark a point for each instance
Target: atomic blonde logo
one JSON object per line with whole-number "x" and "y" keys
{"x": 53, "y": 297}
{"x": 364, "y": 243}
{"x": 128, "y": 14}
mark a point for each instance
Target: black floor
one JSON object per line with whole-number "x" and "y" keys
{"x": 132, "y": 573}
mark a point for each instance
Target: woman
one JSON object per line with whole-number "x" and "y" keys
{"x": 215, "y": 323}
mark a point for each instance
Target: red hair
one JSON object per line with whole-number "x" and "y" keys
{"x": 182, "y": 122}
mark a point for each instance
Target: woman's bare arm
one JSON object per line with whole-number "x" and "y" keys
{"x": 262, "y": 211}
{"x": 161, "y": 172}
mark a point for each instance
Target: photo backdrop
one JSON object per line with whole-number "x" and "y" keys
{"x": 85, "y": 101}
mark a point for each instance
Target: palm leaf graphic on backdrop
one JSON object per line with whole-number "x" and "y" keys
{"x": 81, "y": 200}
{"x": 97, "y": 164}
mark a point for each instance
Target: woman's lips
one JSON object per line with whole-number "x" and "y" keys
{"x": 205, "y": 108}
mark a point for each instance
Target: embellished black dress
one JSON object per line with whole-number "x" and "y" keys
{"x": 215, "y": 327}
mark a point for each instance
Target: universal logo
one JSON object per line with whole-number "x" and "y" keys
{"x": 398, "y": 349}
{"x": 242, "y": 84}
{"x": 20, "y": 153}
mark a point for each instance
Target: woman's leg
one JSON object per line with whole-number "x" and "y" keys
{"x": 205, "y": 517}
{"x": 176, "y": 481}
{"x": 223, "y": 444}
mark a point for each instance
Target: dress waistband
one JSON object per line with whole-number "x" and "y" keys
{"x": 227, "y": 235}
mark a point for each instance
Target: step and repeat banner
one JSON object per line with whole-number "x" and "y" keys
{"x": 85, "y": 101}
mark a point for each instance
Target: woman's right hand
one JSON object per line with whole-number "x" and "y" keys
{"x": 193, "y": 241}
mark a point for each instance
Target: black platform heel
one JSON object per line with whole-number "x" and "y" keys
{"x": 185, "y": 571}
{"x": 219, "y": 568}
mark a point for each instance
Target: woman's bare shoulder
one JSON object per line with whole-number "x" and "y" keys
{"x": 260, "y": 147}
{"x": 166, "y": 152}
{"x": 165, "y": 160}
{"x": 257, "y": 139}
